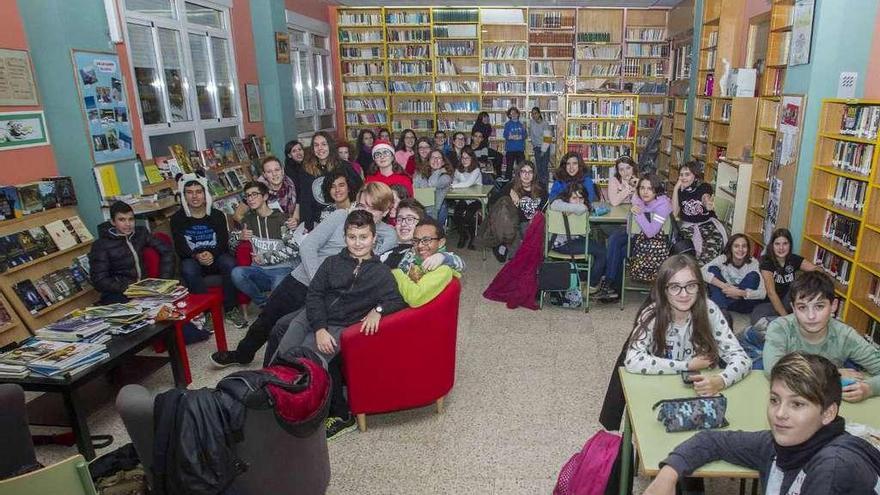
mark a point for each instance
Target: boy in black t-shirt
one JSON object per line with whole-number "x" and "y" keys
{"x": 778, "y": 268}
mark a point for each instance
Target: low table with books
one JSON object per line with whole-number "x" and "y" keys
{"x": 71, "y": 365}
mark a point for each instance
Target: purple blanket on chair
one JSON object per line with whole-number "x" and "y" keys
{"x": 516, "y": 284}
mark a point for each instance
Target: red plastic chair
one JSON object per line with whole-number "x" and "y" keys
{"x": 411, "y": 361}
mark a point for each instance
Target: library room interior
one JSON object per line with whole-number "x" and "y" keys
{"x": 476, "y": 247}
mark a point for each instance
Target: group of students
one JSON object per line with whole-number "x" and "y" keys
{"x": 812, "y": 360}
{"x": 314, "y": 228}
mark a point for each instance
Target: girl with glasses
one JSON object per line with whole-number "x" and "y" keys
{"x": 528, "y": 197}
{"x": 385, "y": 169}
{"x": 679, "y": 329}
{"x": 436, "y": 174}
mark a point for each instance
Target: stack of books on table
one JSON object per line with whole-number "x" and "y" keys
{"x": 154, "y": 287}
{"x": 51, "y": 358}
{"x": 76, "y": 329}
{"x": 13, "y": 371}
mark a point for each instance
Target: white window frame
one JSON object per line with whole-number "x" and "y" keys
{"x": 197, "y": 126}
{"x": 309, "y": 26}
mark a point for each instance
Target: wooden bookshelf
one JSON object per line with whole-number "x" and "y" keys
{"x": 601, "y": 128}
{"x": 722, "y": 24}
{"x": 363, "y": 69}
{"x": 778, "y": 42}
{"x": 457, "y": 76}
{"x": 599, "y": 49}
{"x": 664, "y": 158}
{"x": 679, "y": 123}
{"x": 29, "y": 322}
{"x": 855, "y": 271}
{"x": 409, "y": 32}
{"x": 723, "y": 127}
{"x": 13, "y": 330}
{"x": 504, "y": 66}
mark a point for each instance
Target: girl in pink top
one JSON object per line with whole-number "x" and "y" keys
{"x": 405, "y": 147}
{"x": 623, "y": 183}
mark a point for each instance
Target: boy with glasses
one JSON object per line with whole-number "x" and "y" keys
{"x": 264, "y": 228}
{"x": 327, "y": 239}
{"x": 812, "y": 329}
{"x": 417, "y": 284}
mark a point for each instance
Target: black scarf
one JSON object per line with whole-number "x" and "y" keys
{"x": 796, "y": 456}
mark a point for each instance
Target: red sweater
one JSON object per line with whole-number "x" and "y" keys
{"x": 402, "y": 179}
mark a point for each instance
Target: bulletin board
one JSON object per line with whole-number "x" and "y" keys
{"x": 782, "y": 174}
{"x": 105, "y": 105}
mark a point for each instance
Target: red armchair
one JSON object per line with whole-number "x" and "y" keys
{"x": 409, "y": 363}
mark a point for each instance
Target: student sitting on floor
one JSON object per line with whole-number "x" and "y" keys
{"x": 327, "y": 239}
{"x": 693, "y": 202}
{"x": 680, "y": 329}
{"x": 116, "y": 257}
{"x": 573, "y": 201}
{"x": 263, "y": 227}
{"x": 417, "y": 284}
{"x": 805, "y": 451}
{"x": 350, "y": 287}
{"x": 812, "y": 329}
{"x": 779, "y": 266}
{"x": 734, "y": 281}
{"x": 528, "y": 197}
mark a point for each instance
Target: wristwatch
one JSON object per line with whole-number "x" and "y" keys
{"x": 378, "y": 308}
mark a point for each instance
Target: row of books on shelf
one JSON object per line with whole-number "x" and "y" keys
{"x": 657, "y": 34}
{"x": 601, "y": 130}
{"x": 414, "y": 35}
{"x": 411, "y": 87}
{"x": 365, "y": 118}
{"x": 420, "y": 68}
{"x": 602, "y": 107}
{"x": 407, "y": 18}
{"x": 550, "y": 20}
{"x": 646, "y": 50}
{"x": 546, "y": 87}
{"x": 455, "y": 31}
{"x": 840, "y": 229}
{"x": 456, "y": 48}
{"x": 54, "y": 287}
{"x": 849, "y": 193}
{"x": 853, "y": 157}
{"x": 594, "y": 37}
{"x": 360, "y": 69}
{"x": 600, "y": 152}
{"x": 499, "y": 69}
{"x": 504, "y": 87}
{"x": 538, "y": 51}
{"x": 409, "y": 51}
{"x": 363, "y": 87}
{"x": 222, "y": 182}
{"x": 364, "y": 104}
{"x": 874, "y": 291}
{"x": 361, "y": 52}
{"x": 222, "y": 153}
{"x": 360, "y": 36}
{"x": 453, "y": 87}
{"x": 456, "y": 15}
{"x": 599, "y": 52}
{"x": 34, "y": 243}
{"x": 838, "y": 268}
{"x": 861, "y": 121}
{"x": 512, "y": 51}
{"x": 601, "y": 70}
{"x": 33, "y": 197}
{"x": 359, "y": 19}
{"x": 551, "y": 38}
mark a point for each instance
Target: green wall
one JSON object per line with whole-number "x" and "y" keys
{"x": 53, "y": 28}
{"x": 834, "y": 49}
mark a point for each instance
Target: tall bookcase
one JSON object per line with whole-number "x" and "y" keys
{"x": 601, "y": 128}
{"x": 664, "y": 158}
{"x": 722, "y": 23}
{"x": 769, "y": 105}
{"x": 410, "y": 69}
{"x": 679, "y": 130}
{"x": 842, "y": 228}
{"x": 551, "y": 56}
{"x": 599, "y": 49}
{"x": 723, "y": 126}
{"x": 646, "y": 66}
{"x": 363, "y": 69}
{"x": 504, "y": 65}
{"x": 457, "y": 78}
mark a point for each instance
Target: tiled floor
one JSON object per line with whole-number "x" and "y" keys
{"x": 529, "y": 386}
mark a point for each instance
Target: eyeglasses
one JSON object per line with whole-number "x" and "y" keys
{"x": 408, "y": 220}
{"x": 425, "y": 240}
{"x": 253, "y": 195}
{"x": 382, "y": 152}
{"x": 675, "y": 289}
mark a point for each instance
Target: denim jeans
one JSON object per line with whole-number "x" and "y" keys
{"x": 616, "y": 254}
{"x": 542, "y": 163}
{"x": 595, "y": 249}
{"x": 751, "y": 281}
{"x": 193, "y": 274}
{"x": 256, "y": 281}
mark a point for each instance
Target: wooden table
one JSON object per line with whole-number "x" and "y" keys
{"x": 618, "y": 214}
{"x": 119, "y": 348}
{"x": 746, "y": 410}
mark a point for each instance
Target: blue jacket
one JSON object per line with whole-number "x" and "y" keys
{"x": 514, "y": 136}
{"x": 559, "y": 187}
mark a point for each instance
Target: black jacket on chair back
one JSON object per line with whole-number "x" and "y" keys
{"x": 116, "y": 261}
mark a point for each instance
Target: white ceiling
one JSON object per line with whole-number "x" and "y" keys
{"x": 515, "y": 3}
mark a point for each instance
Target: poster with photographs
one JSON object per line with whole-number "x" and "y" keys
{"x": 105, "y": 105}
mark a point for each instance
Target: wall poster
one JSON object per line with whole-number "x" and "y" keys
{"x": 23, "y": 130}
{"x": 105, "y": 106}
{"x": 801, "y": 32}
{"x": 255, "y": 111}
{"x": 17, "y": 86}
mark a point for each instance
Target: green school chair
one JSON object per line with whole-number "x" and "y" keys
{"x": 627, "y": 284}
{"x": 70, "y": 477}
{"x": 424, "y": 195}
{"x": 578, "y": 225}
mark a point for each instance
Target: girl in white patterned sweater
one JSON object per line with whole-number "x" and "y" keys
{"x": 679, "y": 329}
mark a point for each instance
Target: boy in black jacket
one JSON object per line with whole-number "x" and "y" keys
{"x": 201, "y": 239}
{"x": 352, "y": 286}
{"x": 806, "y": 451}
{"x": 115, "y": 259}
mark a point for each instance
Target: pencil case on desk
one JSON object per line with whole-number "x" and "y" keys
{"x": 692, "y": 413}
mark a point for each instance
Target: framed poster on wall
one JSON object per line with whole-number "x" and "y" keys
{"x": 23, "y": 130}
{"x": 801, "y": 32}
{"x": 17, "y": 86}
{"x": 105, "y": 105}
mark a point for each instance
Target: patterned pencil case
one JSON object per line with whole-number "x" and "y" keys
{"x": 692, "y": 413}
